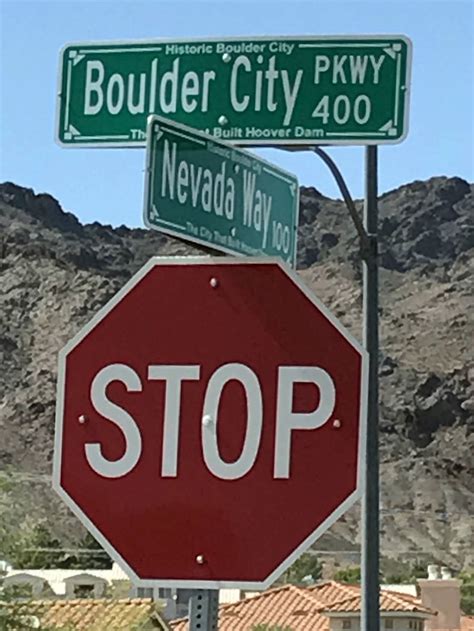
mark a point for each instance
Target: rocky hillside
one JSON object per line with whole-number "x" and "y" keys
{"x": 55, "y": 273}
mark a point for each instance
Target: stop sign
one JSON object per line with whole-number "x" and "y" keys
{"x": 209, "y": 422}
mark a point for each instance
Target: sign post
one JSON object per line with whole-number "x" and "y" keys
{"x": 204, "y": 610}
{"x": 211, "y": 193}
{"x": 279, "y": 91}
{"x": 370, "y": 615}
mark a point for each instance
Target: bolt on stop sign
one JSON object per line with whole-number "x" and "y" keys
{"x": 210, "y": 422}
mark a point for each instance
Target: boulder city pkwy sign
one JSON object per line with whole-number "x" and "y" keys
{"x": 210, "y": 422}
{"x": 209, "y": 192}
{"x": 251, "y": 91}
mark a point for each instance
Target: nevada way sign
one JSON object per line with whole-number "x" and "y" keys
{"x": 209, "y": 192}
{"x": 251, "y": 91}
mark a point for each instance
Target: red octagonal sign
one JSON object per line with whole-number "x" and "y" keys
{"x": 210, "y": 422}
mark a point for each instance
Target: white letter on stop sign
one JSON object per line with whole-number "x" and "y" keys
{"x": 121, "y": 418}
{"x": 249, "y": 380}
{"x": 287, "y": 420}
{"x": 173, "y": 375}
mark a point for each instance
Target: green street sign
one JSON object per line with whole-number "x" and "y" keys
{"x": 250, "y": 91}
{"x": 209, "y": 192}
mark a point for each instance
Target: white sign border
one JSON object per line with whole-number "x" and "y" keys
{"x": 99, "y": 316}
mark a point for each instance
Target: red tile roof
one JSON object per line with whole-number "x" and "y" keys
{"x": 287, "y": 606}
{"x": 302, "y": 609}
{"x": 332, "y": 591}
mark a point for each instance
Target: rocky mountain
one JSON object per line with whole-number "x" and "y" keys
{"x": 55, "y": 273}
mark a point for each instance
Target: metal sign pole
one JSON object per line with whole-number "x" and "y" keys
{"x": 367, "y": 232}
{"x": 370, "y": 619}
{"x": 203, "y": 610}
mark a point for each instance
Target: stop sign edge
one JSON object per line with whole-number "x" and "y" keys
{"x": 99, "y": 316}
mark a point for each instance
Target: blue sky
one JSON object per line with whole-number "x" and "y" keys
{"x": 106, "y": 185}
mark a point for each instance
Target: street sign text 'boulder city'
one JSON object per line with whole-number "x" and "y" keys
{"x": 251, "y": 91}
{"x": 210, "y": 422}
{"x": 212, "y": 193}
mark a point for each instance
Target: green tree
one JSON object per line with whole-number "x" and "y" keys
{"x": 41, "y": 550}
{"x": 89, "y": 560}
{"x": 14, "y": 528}
{"x": 467, "y": 592}
{"x": 32, "y": 552}
{"x": 348, "y": 574}
{"x": 405, "y": 573}
{"x": 417, "y": 570}
{"x": 28, "y": 542}
{"x": 307, "y": 566}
